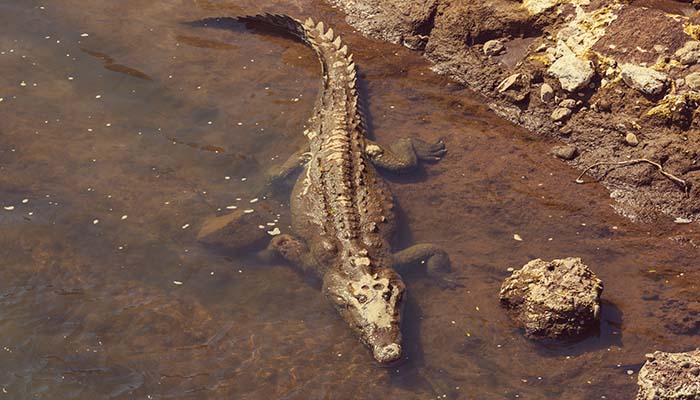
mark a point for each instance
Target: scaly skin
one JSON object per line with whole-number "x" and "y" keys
{"x": 342, "y": 211}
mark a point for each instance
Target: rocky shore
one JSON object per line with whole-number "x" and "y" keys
{"x": 618, "y": 82}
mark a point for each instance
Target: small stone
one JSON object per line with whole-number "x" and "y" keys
{"x": 666, "y": 376}
{"x": 645, "y": 80}
{"x": 604, "y": 105}
{"x": 553, "y": 299}
{"x": 567, "y": 152}
{"x": 546, "y": 93}
{"x": 561, "y": 113}
{"x": 689, "y": 54}
{"x": 507, "y": 83}
{"x": 693, "y": 80}
{"x": 493, "y": 48}
{"x": 568, "y": 103}
{"x": 631, "y": 139}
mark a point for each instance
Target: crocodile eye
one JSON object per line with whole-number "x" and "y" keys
{"x": 362, "y": 298}
{"x": 386, "y": 295}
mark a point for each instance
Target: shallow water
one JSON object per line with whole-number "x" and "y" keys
{"x": 123, "y": 129}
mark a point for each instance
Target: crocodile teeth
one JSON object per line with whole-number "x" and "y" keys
{"x": 329, "y": 34}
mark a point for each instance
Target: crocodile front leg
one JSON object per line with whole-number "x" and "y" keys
{"x": 293, "y": 164}
{"x": 436, "y": 259}
{"x": 404, "y": 154}
{"x": 294, "y": 251}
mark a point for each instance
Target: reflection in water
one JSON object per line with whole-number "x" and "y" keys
{"x": 104, "y": 290}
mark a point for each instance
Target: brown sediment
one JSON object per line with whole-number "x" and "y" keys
{"x": 236, "y": 328}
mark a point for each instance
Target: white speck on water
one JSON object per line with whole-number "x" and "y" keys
{"x": 23, "y": 83}
{"x": 231, "y": 207}
{"x": 177, "y": 282}
{"x": 30, "y": 213}
{"x": 261, "y": 226}
{"x": 517, "y": 237}
{"x": 98, "y": 96}
{"x": 95, "y": 221}
{"x": 227, "y": 177}
{"x": 9, "y": 208}
{"x": 244, "y": 179}
{"x": 25, "y": 201}
{"x": 240, "y": 124}
{"x": 209, "y": 122}
{"x": 630, "y": 372}
{"x": 255, "y": 200}
{"x": 84, "y": 35}
{"x": 124, "y": 217}
{"x": 70, "y": 78}
{"x": 270, "y": 224}
{"x": 248, "y": 211}
{"x": 185, "y": 226}
{"x": 108, "y": 124}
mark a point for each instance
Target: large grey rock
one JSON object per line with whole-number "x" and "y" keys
{"x": 573, "y": 73}
{"x": 646, "y": 80}
{"x": 689, "y": 54}
{"x": 693, "y": 80}
{"x": 560, "y": 298}
{"x": 667, "y": 376}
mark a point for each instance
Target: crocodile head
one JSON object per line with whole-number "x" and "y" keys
{"x": 372, "y": 305}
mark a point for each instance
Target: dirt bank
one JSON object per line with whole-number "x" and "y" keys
{"x": 616, "y": 81}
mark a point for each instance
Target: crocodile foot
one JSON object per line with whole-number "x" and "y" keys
{"x": 429, "y": 151}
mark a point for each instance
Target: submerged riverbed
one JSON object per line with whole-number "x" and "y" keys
{"x": 123, "y": 129}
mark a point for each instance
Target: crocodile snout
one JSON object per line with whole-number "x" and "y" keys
{"x": 387, "y": 353}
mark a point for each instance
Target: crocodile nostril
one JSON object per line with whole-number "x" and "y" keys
{"x": 378, "y": 286}
{"x": 362, "y": 298}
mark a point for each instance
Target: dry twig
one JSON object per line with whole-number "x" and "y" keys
{"x": 672, "y": 177}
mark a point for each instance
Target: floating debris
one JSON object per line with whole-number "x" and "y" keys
{"x": 84, "y": 35}
{"x": 255, "y": 200}
{"x": 185, "y": 226}
{"x": 517, "y": 237}
{"x": 124, "y": 217}
{"x": 231, "y": 207}
{"x": 177, "y": 282}
{"x": 248, "y": 211}
{"x": 95, "y": 221}
{"x": 9, "y": 208}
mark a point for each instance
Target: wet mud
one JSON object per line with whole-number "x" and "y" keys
{"x": 106, "y": 178}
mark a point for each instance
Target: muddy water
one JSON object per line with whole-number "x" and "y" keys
{"x": 122, "y": 130}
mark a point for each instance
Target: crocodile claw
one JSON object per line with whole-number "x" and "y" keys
{"x": 429, "y": 151}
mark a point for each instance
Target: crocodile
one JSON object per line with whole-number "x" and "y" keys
{"x": 343, "y": 215}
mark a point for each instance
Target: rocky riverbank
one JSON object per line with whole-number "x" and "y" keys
{"x": 616, "y": 81}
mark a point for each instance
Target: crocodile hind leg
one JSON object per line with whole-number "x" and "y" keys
{"x": 436, "y": 260}
{"x": 404, "y": 154}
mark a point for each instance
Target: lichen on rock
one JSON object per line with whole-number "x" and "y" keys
{"x": 555, "y": 299}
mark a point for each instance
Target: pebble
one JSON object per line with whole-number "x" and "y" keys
{"x": 507, "y": 83}
{"x": 493, "y": 48}
{"x": 546, "y": 93}
{"x": 693, "y": 80}
{"x": 561, "y": 113}
{"x": 631, "y": 139}
{"x": 566, "y": 152}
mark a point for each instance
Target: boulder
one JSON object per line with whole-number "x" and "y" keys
{"x": 553, "y": 299}
{"x": 667, "y": 376}
{"x": 573, "y": 73}
{"x": 643, "y": 79}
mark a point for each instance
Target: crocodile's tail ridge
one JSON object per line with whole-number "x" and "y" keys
{"x": 329, "y": 47}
